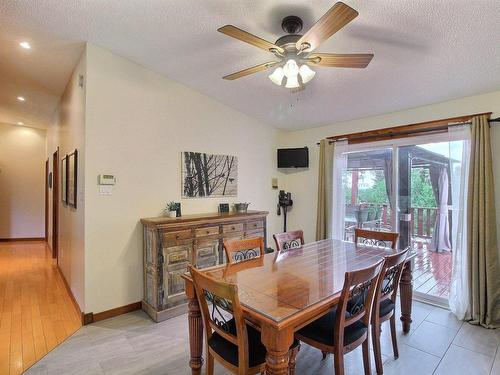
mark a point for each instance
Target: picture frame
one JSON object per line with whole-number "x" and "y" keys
{"x": 224, "y": 207}
{"x": 178, "y": 209}
{"x": 206, "y": 175}
{"x": 72, "y": 177}
{"x": 64, "y": 179}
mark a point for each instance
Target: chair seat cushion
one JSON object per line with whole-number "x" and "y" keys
{"x": 386, "y": 306}
{"x": 322, "y": 330}
{"x": 229, "y": 351}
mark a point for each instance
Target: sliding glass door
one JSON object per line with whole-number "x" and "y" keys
{"x": 413, "y": 186}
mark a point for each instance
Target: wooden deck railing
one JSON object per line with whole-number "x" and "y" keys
{"x": 422, "y": 223}
{"x": 423, "y": 219}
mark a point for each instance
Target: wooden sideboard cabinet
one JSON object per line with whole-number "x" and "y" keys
{"x": 170, "y": 244}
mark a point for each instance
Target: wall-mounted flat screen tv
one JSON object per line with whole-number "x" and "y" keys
{"x": 293, "y": 157}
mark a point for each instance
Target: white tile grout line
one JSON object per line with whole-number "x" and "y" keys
{"x": 494, "y": 358}
{"x": 449, "y": 346}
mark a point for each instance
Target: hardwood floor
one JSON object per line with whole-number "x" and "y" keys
{"x": 36, "y": 311}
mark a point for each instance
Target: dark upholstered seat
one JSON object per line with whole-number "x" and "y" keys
{"x": 386, "y": 306}
{"x": 229, "y": 351}
{"x": 322, "y": 330}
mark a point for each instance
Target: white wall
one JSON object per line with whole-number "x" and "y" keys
{"x": 68, "y": 133}
{"x": 303, "y": 184}
{"x": 137, "y": 124}
{"x": 22, "y": 181}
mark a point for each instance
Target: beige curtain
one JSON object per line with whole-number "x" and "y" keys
{"x": 325, "y": 176}
{"x": 483, "y": 263}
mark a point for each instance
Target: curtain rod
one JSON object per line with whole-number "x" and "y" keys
{"x": 407, "y": 132}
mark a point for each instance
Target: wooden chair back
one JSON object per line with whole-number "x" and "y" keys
{"x": 356, "y": 299}
{"x": 241, "y": 250}
{"x": 288, "y": 240}
{"x": 375, "y": 238}
{"x": 391, "y": 276}
{"x": 224, "y": 306}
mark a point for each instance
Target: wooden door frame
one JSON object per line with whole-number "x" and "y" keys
{"x": 55, "y": 203}
{"x": 46, "y": 199}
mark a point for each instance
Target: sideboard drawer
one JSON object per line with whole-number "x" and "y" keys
{"x": 177, "y": 256}
{"x": 254, "y": 233}
{"x": 251, "y": 225}
{"x": 231, "y": 228}
{"x": 172, "y": 237}
{"x": 205, "y": 251}
{"x": 207, "y": 231}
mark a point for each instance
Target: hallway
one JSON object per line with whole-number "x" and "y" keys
{"x": 36, "y": 311}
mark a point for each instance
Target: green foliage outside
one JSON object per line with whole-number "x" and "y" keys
{"x": 371, "y": 188}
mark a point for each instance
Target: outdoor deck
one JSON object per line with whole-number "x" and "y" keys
{"x": 432, "y": 272}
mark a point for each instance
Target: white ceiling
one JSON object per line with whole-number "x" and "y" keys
{"x": 39, "y": 74}
{"x": 426, "y": 51}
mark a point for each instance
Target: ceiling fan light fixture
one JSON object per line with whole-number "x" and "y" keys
{"x": 291, "y": 69}
{"x": 306, "y": 73}
{"x": 292, "y": 82}
{"x": 277, "y": 76}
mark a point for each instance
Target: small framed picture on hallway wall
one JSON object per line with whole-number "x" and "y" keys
{"x": 72, "y": 174}
{"x": 64, "y": 179}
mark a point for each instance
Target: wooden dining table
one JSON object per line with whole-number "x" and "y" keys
{"x": 282, "y": 292}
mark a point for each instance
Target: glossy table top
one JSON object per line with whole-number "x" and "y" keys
{"x": 280, "y": 285}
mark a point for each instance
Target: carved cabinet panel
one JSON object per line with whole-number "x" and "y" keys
{"x": 171, "y": 244}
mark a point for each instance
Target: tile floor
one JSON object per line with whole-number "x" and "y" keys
{"x": 133, "y": 344}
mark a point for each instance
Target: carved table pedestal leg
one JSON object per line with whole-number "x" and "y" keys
{"x": 406, "y": 293}
{"x": 277, "y": 343}
{"x": 195, "y": 331}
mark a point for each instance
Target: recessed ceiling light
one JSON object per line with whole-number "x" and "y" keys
{"x": 20, "y": 123}
{"x": 21, "y": 98}
{"x": 25, "y": 45}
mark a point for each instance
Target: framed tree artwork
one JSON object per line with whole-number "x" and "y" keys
{"x": 64, "y": 179}
{"x": 208, "y": 175}
{"x": 72, "y": 175}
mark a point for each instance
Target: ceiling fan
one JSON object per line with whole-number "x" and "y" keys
{"x": 295, "y": 51}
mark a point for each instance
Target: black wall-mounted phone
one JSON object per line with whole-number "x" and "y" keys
{"x": 284, "y": 201}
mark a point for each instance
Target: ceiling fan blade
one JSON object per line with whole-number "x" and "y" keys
{"x": 244, "y": 36}
{"x": 252, "y": 70}
{"x": 332, "y": 21}
{"x": 355, "y": 60}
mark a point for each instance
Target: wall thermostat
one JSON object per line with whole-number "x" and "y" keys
{"x": 107, "y": 179}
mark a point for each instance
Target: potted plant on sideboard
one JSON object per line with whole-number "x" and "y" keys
{"x": 171, "y": 209}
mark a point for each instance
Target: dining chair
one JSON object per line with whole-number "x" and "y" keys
{"x": 240, "y": 250}
{"x": 229, "y": 339}
{"x": 385, "y": 304}
{"x": 288, "y": 240}
{"x": 343, "y": 329}
{"x": 375, "y": 238}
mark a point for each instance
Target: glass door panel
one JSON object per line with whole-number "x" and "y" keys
{"x": 424, "y": 198}
{"x": 367, "y": 190}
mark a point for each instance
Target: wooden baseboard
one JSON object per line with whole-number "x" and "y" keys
{"x": 73, "y": 299}
{"x": 22, "y": 239}
{"x": 91, "y": 317}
